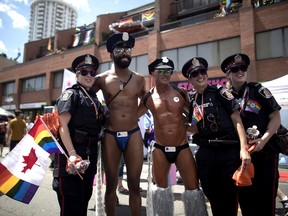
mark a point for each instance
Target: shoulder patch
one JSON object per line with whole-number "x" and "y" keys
{"x": 66, "y": 95}
{"x": 263, "y": 91}
{"x": 226, "y": 94}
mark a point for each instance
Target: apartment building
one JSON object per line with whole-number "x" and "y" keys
{"x": 50, "y": 16}
{"x": 173, "y": 28}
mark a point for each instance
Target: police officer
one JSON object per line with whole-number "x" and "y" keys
{"x": 214, "y": 111}
{"x": 257, "y": 107}
{"x": 81, "y": 118}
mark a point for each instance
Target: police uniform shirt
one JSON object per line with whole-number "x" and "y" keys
{"x": 83, "y": 116}
{"x": 257, "y": 105}
{"x": 218, "y": 105}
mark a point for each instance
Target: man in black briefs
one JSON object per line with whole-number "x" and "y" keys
{"x": 166, "y": 102}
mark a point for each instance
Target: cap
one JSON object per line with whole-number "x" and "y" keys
{"x": 161, "y": 63}
{"x": 193, "y": 65}
{"x": 85, "y": 60}
{"x": 234, "y": 60}
{"x": 119, "y": 39}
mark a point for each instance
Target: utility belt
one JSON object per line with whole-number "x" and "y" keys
{"x": 83, "y": 142}
{"x": 81, "y": 137}
{"x": 215, "y": 142}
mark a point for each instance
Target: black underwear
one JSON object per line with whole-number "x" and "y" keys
{"x": 122, "y": 137}
{"x": 171, "y": 152}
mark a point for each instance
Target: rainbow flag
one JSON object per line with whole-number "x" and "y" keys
{"x": 23, "y": 169}
{"x": 196, "y": 116}
{"x": 44, "y": 138}
{"x": 253, "y": 106}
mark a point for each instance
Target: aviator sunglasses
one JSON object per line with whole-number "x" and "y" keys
{"x": 164, "y": 71}
{"x": 84, "y": 72}
{"x": 121, "y": 50}
{"x": 197, "y": 72}
{"x": 235, "y": 69}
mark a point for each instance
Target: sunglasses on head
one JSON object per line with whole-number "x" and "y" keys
{"x": 235, "y": 69}
{"x": 84, "y": 72}
{"x": 163, "y": 71}
{"x": 197, "y": 72}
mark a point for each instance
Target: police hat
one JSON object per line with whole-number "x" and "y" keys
{"x": 234, "y": 60}
{"x": 161, "y": 63}
{"x": 119, "y": 39}
{"x": 85, "y": 60}
{"x": 193, "y": 65}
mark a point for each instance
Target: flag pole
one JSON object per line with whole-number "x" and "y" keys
{"x": 61, "y": 149}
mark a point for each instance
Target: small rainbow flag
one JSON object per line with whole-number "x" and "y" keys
{"x": 23, "y": 169}
{"x": 253, "y": 106}
{"x": 196, "y": 116}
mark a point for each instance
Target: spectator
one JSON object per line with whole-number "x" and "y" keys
{"x": 17, "y": 129}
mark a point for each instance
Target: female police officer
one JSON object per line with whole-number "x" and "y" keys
{"x": 81, "y": 118}
{"x": 214, "y": 111}
{"x": 257, "y": 107}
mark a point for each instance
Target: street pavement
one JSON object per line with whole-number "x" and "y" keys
{"x": 44, "y": 203}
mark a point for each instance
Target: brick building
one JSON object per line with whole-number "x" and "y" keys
{"x": 172, "y": 28}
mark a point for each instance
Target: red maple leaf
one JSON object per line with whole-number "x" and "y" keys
{"x": 30, "y": 160}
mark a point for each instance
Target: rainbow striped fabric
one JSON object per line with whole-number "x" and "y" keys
{"x": 23, "y": 169}
{"x": 44, "y": 138}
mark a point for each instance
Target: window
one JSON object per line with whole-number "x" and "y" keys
{"x": 34, "y": 84}
{"x": 269, "y": 44}
{"x": 214, "y": 52}
{"x": 142, "y": 65}
{"x": 229, "y": 47}
{"x": 58, "y": 80}
{"x": 209, "y": 51}
{"x": 104, "y": 67}
{"x": 8, "y": 88}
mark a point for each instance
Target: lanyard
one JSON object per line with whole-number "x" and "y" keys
{"x": 200, "y": 110}
{"x": 92, "y": 101}
{"x": 244, "y": 98}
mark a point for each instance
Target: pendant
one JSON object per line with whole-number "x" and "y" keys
{"x": 121, "y": 86}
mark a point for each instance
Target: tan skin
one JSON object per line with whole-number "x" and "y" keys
{"x": 123, "y": 117}
{"x": 167, "y": 105}
{"x": 237, "y": 80}
{"x": 200, "y": 84}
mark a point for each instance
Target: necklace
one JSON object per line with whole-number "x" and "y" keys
{"x": 123, "y": 84}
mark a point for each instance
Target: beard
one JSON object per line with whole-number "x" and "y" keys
{"x": 122, "y": 61}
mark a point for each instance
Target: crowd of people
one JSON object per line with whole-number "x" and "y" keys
{"x": 217, "y": 116}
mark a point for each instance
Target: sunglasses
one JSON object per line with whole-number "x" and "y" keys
{"x": 213, "y": 123}
{"x": 121, "y": 50}
{"x": 85, "y": 72}
{"x": 235, "y": 69}
{"x": 164, "y": 71}
{"x": 197, "y": 72}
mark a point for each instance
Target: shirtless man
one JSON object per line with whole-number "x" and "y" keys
{"x": 166, "y": 102}
{"x": 121, "y": 89}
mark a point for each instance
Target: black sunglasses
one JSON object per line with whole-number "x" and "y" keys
{"x": 85, "y": 72}
{"x": 197, "y": 72}
{"x": 235, "y": 69}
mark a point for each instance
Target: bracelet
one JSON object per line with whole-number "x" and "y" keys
{"x": 71, "y": 151}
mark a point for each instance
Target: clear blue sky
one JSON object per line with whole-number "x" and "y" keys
{"x": 15, "y": 15}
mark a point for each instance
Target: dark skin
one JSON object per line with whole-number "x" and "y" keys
{"x": 123, "y": 117}
{"x": 167, "y": 105}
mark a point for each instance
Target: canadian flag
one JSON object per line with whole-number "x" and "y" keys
{"x": 69, "y": 79}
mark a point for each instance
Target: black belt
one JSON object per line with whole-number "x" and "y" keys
{"x": 217, "y": 142}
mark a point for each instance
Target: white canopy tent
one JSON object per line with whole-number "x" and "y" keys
{"x": 279, "y": 89}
